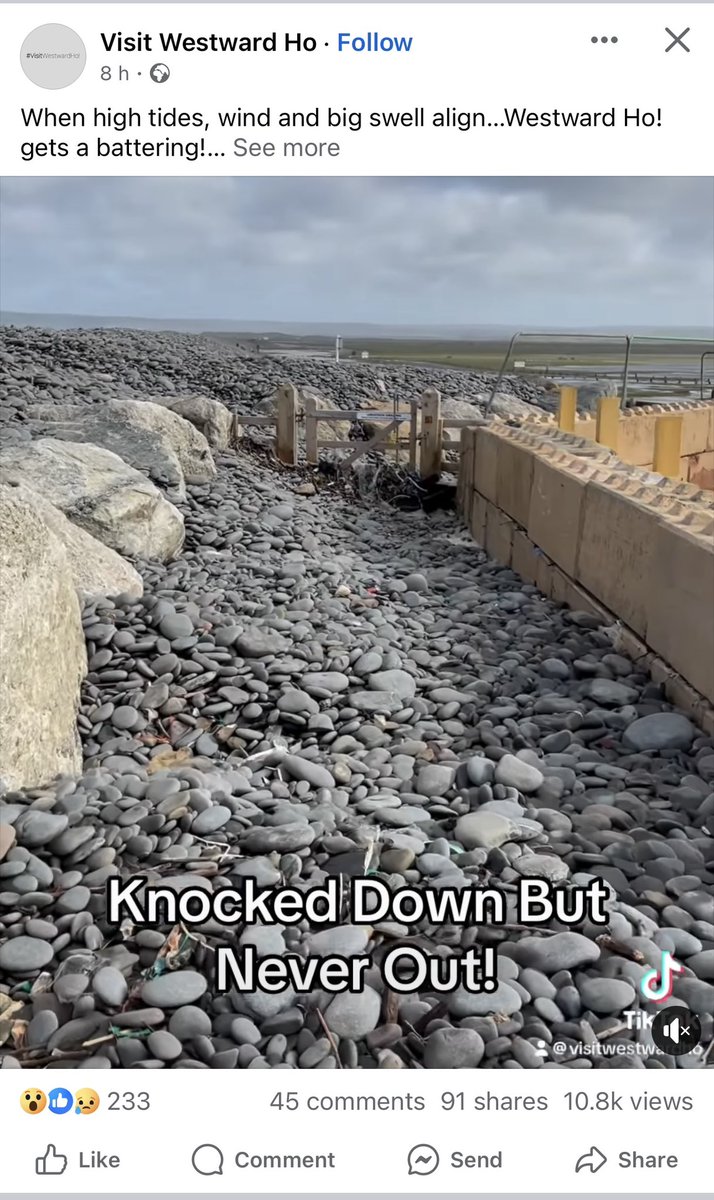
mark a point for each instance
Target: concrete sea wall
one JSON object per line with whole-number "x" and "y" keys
{"x": 598, "y": 534}
{"x": 636, "y": 437}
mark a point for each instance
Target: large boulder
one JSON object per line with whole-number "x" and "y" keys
{"x": 97, "y": 570}
{"x": 210, "y": 417}
{"x": 150, "y": 437}
{"x": 99, "y": 492}
{"x": 189, "y": 445}
{"x": 511, "y": 408}
{"x": 336, "y": 429}
{"x": 42, "y": 652}
{"x": 453, "y": 409}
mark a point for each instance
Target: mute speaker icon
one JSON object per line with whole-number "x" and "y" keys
{"x": 673, "y": 1030}
{"x": 676, "y": 1031}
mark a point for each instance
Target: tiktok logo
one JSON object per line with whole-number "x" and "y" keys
{"x": 658, "y": 986}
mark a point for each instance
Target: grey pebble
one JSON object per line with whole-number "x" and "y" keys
{"x": 22, "y": 954}
{"x": 338, "y": 689}
{"x": 607, "y": 996}
{"x": 189, "y": 1022}
{"x": 354, "y": 1015}
{"x": 174, "y": 989}
{"x": 110, "y": 987}
{"x": 451, "y": 1049}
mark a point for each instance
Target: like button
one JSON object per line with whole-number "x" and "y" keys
{"x": 50, "y": 1163}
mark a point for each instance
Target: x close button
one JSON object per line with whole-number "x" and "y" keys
{"x": 677, "y": 39}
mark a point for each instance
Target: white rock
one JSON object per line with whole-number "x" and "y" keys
{"x": 376, "y": 702}
{"x": 485, "y": 829}
{"x": 400, "y": 682}
{"x": 149, "y": 437}
{"x": 542, "y": 866}
{"x": 514, "y": 772}
{"x": 452, "y": 408}
{"x": 189, "y": 446}
{"x": 342, "y": 939}
{"x": 504, "y": 808}
{"x": 266, "y": 939}
{"x": 209, "y": 416}
{"x": 96, "y": 569}
{"x": 506, "y": 405}
{"x": 353, "y": 1016}
{"x": 328, "y": 681}
{"x": 99, "y": 492}
{"x": 42, "y": 651}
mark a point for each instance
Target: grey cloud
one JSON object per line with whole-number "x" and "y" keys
{"x": 543, "y": 251}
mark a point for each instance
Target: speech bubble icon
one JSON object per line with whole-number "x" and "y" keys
{"x": 422, "y": 1159}
{"x": 207, "y": 1159}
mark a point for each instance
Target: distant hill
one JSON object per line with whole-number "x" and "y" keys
{"x": 348, "y": 329}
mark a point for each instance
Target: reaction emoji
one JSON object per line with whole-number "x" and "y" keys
{"x": 86, "y": 1101}
{"x": 33, "y": 1101}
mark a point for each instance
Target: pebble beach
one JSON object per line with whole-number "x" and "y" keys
{"x": 318, "y": 685}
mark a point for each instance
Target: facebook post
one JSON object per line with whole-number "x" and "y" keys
{"x": 356, "y": 597}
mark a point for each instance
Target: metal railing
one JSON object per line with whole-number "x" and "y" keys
{"x": 629, "y": 340}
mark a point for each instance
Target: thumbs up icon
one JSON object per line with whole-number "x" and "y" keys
{"x": 50, "y": 1163}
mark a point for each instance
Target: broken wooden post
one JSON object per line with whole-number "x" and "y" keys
{"x": 286, "y": 442}
{"x": 413, "y": 421}
{"x": 431, "y": 431}
{"x": 312, "y": 453}
{"x": 236, "y": 430}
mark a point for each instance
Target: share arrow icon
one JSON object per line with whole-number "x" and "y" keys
{"x": 594, "y": 1159}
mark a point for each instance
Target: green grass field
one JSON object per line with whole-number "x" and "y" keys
{"x": 541, "y": 356}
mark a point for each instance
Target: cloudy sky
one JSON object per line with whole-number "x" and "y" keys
{"x": 557, "y": 252}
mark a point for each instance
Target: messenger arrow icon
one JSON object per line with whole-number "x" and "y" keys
{"x": 594, "y": 1159}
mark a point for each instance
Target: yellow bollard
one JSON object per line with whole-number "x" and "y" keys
{"x": 668, "y": 445}
{"x": 608, "y": 420}
{"x": 567, "y": 409}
